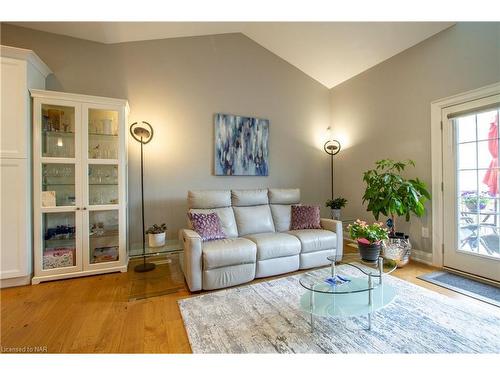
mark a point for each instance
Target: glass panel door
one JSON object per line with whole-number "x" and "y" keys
{"x": 103, "y": 184}
{"x": 476, "y": 139}
{"x": 58, "y": 185}
{"x": 59, "y": 240}
{"x": 471, "y": 188}
{"x": 104, "y": 239}
{"x": 58, "y": 131}
{"x": 102, "y": 134}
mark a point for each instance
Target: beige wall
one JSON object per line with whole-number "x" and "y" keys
{"x": 385, "y": 111}
{"x": 178, "y": 85}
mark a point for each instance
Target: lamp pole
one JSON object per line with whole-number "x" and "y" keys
{"x": 332, "y": 148}
{"x": 143, "y": 135}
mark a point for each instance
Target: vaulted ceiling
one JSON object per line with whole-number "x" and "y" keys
{"x": 329, "y": 52}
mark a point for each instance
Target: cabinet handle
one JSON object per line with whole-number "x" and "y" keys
{"x": 78, "y": 208}
{"x": 84, "y": 208}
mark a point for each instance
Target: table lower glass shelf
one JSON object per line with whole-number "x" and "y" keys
{"x": 349, "y": 304}
{"x": 171, "y": 246}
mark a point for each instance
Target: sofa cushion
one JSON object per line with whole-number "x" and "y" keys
{"x": 252, "y": 197}
{"x": 315, "y": 239}
{"x": 209, "y": 198}
{"x": 282, "y": 216}
{"x": 284, "y": 196}
{"x": 228, "y": 252}
{"x": 253, "y": 219}
{"x": 207, "y": 226}
{"x": 275, "y": 245}
{"x": 226, "y": 217}
{"x": 305, "y": 217}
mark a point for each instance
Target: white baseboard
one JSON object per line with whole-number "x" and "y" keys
{"x": 15, "y": 281}
{"x": 421, "y": 256}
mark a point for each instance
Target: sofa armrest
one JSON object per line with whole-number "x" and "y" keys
{"x": 335, "y": 226}
{"x": 192, "y": 260}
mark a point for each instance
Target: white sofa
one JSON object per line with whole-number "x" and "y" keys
{"x": 260, "y": 242}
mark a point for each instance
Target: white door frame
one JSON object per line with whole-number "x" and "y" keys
{"x": 437, "y": 201}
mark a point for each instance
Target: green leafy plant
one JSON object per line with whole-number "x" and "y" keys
{"x": 337, "y": 203}
{"x": 157, "y": 229}
{"x": 390, "y": 194}
{"x": 373, "y": 233}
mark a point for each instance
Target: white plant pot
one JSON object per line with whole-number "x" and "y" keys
{"x": 156, "y": 240}
{"x": 336, "y": 213}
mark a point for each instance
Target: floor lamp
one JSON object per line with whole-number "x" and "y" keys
{"x": 331, "y": 147}
{"x": 142, "y": 133}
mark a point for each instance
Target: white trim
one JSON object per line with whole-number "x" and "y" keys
{"x": 46, "y": 94}
{"x": 421, "y": 256}
{"x": 28, "y": 55}
{"x": 15, "y": 281}
{"x": 437, "y": 108}
{"x": 39, "y": 279}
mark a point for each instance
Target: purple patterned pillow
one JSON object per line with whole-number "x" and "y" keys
{"x": 305, "y": 217}
{"x": 207, "y": 226}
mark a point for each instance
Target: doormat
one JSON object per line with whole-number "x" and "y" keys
{"x": 463, "y": 285}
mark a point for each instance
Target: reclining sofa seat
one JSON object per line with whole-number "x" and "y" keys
{"x": 259, "y": 241}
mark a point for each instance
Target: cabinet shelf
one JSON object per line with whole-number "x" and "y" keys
{"x": 57, "y": 133}
{"x": 103, "y": 135}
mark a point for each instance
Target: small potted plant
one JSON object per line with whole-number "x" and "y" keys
{"x": 369, "y": 238}
{"x": 336, "y": 206}
{"x": 156, "y": 235}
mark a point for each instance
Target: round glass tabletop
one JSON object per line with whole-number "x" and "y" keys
{"x": 321, "y": 283}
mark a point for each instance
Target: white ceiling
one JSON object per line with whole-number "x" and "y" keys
{"x": 329, "y": 52}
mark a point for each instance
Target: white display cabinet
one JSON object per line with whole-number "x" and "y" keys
{"x": 79, "y": 185}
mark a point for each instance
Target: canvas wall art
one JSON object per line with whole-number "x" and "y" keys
{"x": 241, "y": 146}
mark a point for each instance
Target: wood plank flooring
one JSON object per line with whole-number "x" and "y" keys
{"x": 94, "y": 315}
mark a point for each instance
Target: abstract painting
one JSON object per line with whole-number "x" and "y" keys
{"x": 241, "y": 146}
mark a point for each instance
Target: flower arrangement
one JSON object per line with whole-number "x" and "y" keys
{"x": 336, "y": 204}
{"x": 472, "y": 198}
{"x": 368, "y": 233}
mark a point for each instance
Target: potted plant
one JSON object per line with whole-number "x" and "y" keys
{"x": 336, "y": 205}
{"x": 473, "y": 201}
{"x": 369, "y": 238}
{"x": 389, "y": 193}
{"x": 156, "y": 235}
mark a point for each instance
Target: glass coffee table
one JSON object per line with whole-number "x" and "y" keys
{"x": 332, "y": 294}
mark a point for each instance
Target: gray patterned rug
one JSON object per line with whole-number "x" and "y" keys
{"x": 265, "y": 318}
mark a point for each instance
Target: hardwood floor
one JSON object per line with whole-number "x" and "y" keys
{"x": 94, "y": 315}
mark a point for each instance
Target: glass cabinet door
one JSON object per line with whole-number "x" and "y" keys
{"x": 58, "y": 185}
{"x": 104, "y": 238}
{"x": 103, "y": 184}
{"x": 102, "y": 134}
{"x": 59, "y": 240}
{"x": 58, "y": 131}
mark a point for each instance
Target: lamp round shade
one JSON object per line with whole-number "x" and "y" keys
{"x": 141, "y": 132}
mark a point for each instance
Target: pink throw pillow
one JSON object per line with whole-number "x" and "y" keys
{"x": 207, "y": 226}
{"x": 305, "y": 217}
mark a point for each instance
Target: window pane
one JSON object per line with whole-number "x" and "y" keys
{"x": 486, "y": 125}
{"x": 466, "y": 128}
{"x": 467, "y": 156}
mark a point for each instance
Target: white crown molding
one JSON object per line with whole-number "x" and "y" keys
{"x": 47, "y": 94}
{"x": 28, "y": 55}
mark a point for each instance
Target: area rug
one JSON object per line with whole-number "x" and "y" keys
{"x": 265, "y": 318}
{"x": 460, "y": 284}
